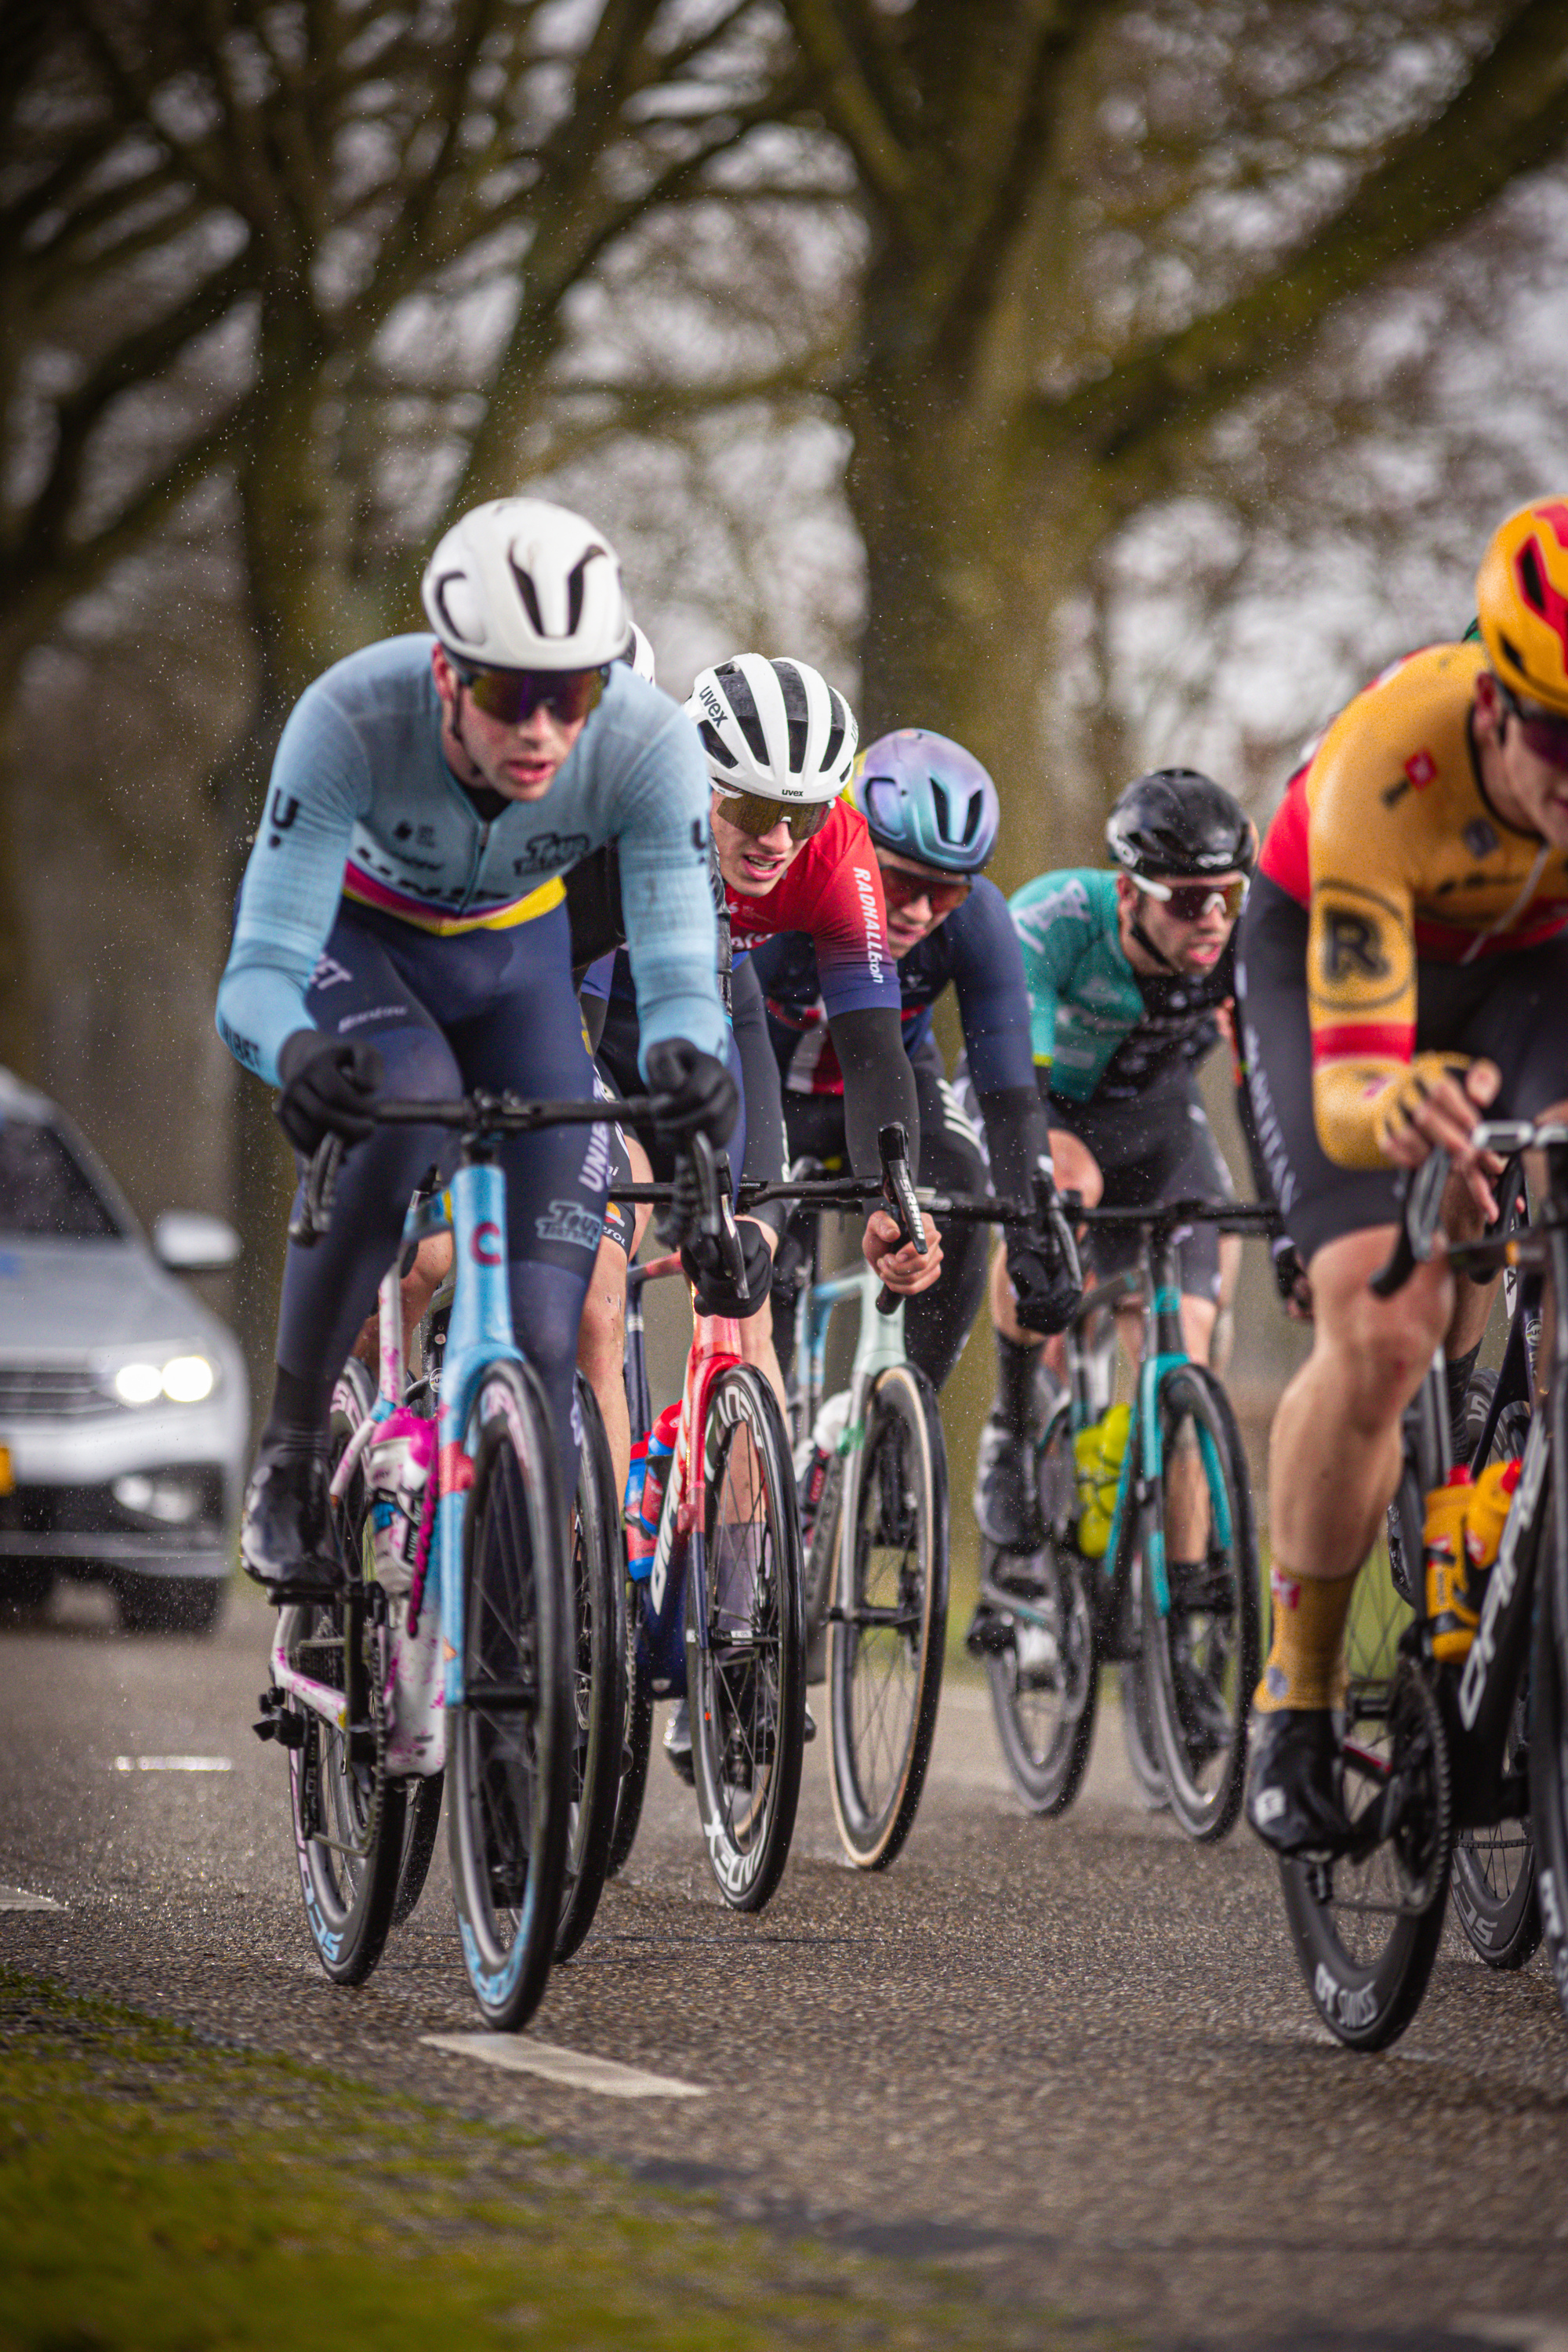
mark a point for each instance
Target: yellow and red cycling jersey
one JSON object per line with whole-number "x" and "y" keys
{"x": 1386, "y": 836}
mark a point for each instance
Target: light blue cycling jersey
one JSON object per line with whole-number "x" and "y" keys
{"x": 362, "y": 806}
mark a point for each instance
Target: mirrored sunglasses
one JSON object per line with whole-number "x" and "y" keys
{"x": 1545, "y": 733}
{"x": 512, "y": 696}
{"x": 1189, "y": 902}
{"x": 753, "y": 814}
{"x": 944, "y": 891}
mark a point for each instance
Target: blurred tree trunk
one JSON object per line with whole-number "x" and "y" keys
{"x": 981, "y": 495}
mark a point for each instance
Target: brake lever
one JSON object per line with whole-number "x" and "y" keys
{"x": 1421, "y": 1190}
{"x": 899, "y": 1192}
{"x": 314, "y": 1215}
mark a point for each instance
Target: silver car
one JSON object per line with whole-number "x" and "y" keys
{"x": 124, "y": 1418}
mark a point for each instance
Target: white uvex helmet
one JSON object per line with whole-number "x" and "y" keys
{"x": 520, "y": 584}
{"x": 773, "y": 727}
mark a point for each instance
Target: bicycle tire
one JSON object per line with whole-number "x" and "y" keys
{"x": 598, "y": 1673}
{"x": 637, "y": 1740}
{"x": 422, "y": 1824}
{"x": 1549, "y": 1730}
{"x": 510, "y": 1759}
{"x": 1044, "y": 1687}
{"x": 884, "y": 1678}
{"x": 1366, "y": 1981}
{"x": 1201, "y": 1659}
{"x": 1494, "y": 1892}
{"x": 347, "y": 1813}
{"x": 747, "y": 1683}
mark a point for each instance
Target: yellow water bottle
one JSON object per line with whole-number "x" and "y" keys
{"x": 1449, "y": 1607}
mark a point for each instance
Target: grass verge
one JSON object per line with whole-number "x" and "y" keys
{"x": 157, "y": 2191}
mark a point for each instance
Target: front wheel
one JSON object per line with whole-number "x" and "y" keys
{"x": 1367, "y": 1926}
{"x": 348, "y": 1813}
{"x": 599, "y": 1667}
{"x": 508, "y": 1745}
{"x": 1045, "y": 1683}
{"x": 746, "y": 1665}
{"x": 1549, "y": 1743}
{"x": 1200, "y": 1651}
{"x": 885, "y": 1647}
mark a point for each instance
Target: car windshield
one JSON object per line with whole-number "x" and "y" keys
{"x": 45, "y": 1194}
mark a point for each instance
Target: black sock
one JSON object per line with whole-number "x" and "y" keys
{"x": 298, "y": 1414}
{"x": 1457, "y": 1373}
{"x": 1014, "y": 1405}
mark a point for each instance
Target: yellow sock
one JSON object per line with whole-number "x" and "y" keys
{"x": 1305, "y": 1665}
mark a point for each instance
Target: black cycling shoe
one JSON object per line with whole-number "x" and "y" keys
{"x": 286, "y": 1527}
{"x": 1006, "y": 1507}
{"x": 1294, "y": 1781}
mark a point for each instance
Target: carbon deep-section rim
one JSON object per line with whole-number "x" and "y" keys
{"x": 746, "y": 1669}
{"x": 885, "y": 1653}
{"x": 1045, "y": 1686}
{"x": 509, "y": 1746}
{"x": 598, "y": 1642}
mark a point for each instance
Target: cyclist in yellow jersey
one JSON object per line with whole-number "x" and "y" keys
{"x": 1403, "y": 968}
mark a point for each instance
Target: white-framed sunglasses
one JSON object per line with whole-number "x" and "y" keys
{"x": 1189, "y": 902}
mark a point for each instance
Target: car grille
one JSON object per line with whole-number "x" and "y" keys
{"x": 61, "y": 1392}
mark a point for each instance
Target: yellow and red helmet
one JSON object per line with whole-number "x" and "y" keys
{"x": 1522, "y": 599}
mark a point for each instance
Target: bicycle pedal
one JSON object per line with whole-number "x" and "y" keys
{"x": 285, "y": 1727}
{"x": 990, "y": 1636}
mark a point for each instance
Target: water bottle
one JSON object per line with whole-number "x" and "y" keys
{"x": 1449, "y": 1606}
{"x": 826, "y": 1440}
{"x": 397, "y": 1465}
{"x": 1486, "y": 1515}
{"x": 1098, "y": 1452}
{"x": 656, "y": 1473}
{"x": 639, "y": 1542}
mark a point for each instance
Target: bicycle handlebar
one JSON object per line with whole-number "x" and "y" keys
{"x": 1421, "y": 1192}
{"x": 478, "y": 1114}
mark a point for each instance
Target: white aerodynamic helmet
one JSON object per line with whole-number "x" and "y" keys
{"x": 638, "y": 655}
{"x": 520, "y": 584}
{"x": 774, "y": 727}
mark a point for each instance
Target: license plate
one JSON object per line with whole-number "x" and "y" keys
{"x": 8, "y": 1476}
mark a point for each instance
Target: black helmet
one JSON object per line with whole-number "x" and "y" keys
{"x": 1177, "y": 821}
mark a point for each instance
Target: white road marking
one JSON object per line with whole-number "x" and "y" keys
{"x": 174, "y": 1764}
{"x": 572, "y": 2069}
{"x": 16, "y": 1898}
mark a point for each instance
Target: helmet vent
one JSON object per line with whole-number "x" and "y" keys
{"x": 529, "y": 595}
{"x": 715, "y": 746}
{"x": 1530, "y": 579}
{"x": 737, "y": 691}
{"x": 574, "y": 588}
{"x": 835, "y": 733}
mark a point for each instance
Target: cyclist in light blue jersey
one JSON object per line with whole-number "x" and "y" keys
{"x": 402, "y": 923}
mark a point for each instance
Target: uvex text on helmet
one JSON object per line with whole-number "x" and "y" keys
{"x": 521, "y": 583}
{"x": 777, "y": 728}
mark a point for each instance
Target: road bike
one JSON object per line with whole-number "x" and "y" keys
{"x": 496, "y": 1567}
{"x": 1469, "y": 1755}
{"x": 714, "y": 1610}
{"x": 1173, "y": 1599}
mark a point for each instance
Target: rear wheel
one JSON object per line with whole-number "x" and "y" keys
{"x": 746, "y": 1670}
{"x": 598, "y": 1664}
{"x": 348, "y": 1813}
{"x": 422, "y": 1822}
{"x": 509, "y": 1750}
{"x": 1200, "y": 1656}
{"x": 1495, "y": 1898}
{"x": 1044, "y": 1685}
{"x": 1549, "y": 1736}
{"x": 885, "y": 1656}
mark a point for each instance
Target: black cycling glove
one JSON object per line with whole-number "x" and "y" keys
{"x": 703, "y": 1096}
{"x": 330, "y": 1086}
{"x": 1043, "y": 1268}
{"x": 704, "y": 1266}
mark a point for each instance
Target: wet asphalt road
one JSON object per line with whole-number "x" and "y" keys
{"x": 1074, "y": 2059}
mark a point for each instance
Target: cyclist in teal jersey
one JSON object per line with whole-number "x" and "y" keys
{"x": 1128, "y": 972}
{"x": 403, "y": 920}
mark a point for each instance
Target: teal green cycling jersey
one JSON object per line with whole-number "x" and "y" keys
{"x": 1095, "y": 1025}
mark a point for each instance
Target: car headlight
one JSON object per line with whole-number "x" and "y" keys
{"x": 184, "y": 1379}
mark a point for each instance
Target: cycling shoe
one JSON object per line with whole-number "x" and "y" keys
{"x": 286, "y": 1526}
{"x": 1294, "y": 1781}
{"x": 1007, "y": 1508}
{"x": 678, "y": 1742}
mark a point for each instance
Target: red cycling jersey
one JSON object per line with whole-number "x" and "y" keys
{"x": 832, "y": 891}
